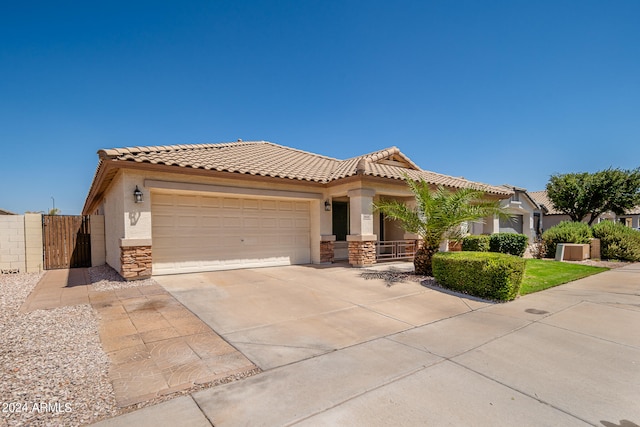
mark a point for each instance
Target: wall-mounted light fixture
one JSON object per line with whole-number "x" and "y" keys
{"x": 137, "y": 195}
{"x": 327, "y": 205}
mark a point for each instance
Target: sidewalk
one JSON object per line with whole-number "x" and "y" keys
{"x": 566, "y": 356}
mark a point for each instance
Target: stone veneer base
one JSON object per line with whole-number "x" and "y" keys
{"x": 135, "y": 262}
{"x": 327, "y": 252}
{"x": 362, "y": 253}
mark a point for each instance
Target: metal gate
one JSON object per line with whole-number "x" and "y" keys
{"x": 67, "y": 241}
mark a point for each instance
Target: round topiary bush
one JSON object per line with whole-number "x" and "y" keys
{"x": 483, "y": 274}
{"x": 566, "y": 232}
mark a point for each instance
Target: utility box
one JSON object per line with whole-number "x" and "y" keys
{"x": 576, "y": 252}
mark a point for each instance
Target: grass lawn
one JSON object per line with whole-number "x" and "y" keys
{"x": 542, "y": 274}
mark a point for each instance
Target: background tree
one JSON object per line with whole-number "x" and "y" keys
{"x": 438, "y": 216}
{"x": 54, "y": 211}
{"x": 591, "y": 194}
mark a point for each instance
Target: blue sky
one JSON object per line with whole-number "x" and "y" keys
{"x": 495, "y": 91}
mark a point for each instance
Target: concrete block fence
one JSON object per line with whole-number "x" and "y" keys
{"x": 21, "y": 246}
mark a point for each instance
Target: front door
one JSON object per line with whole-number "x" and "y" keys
{"x": 340, "y": 221}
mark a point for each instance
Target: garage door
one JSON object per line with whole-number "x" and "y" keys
{"x": 194, "y": 233}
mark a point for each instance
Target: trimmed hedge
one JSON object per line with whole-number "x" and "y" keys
{"x": 476, "y": 243}
{"x": 566, "y": 232}
{"x": 508, "y": 243}
{"x": 486, "y": 275}
{"x": 617, "y": 241}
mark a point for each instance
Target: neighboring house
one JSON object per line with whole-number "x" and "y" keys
{"x": 4, "y": 212}
{"x": 631, "y": 218}
{"x": 551, "y": 216}
{"x": 209, "y": 207}
{"x": 525, "y": 214}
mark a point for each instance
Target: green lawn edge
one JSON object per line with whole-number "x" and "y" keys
{"x": 540, "y": 274}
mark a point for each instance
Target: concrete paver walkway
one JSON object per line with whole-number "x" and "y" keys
{"x": 155, "y": 345}
{"x": 566, "y": 356}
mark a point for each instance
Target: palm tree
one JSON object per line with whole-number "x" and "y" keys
{"x": 438, "y": 216}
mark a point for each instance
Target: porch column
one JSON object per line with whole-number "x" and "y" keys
{"x": 327, "y": 238}
{"x": 362, "y": 248}
{"x": 135, "y": 247}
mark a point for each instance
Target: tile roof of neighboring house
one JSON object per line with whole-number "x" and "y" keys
{"x": 6, "y": 212}
{"x": 634, "y": 211}
{"x": 541, "y": 198}
{"x": 269, "y": 159}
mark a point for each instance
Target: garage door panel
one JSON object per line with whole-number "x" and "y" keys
{"x": 251, "y": 204}
{"x": 186, "y": 201}
{"x": 231, "y": 203}
{"x": 163, "y": 199}
{"x": 210, "y": 202}
{"x": 269, "y": 205}
{"x": 302, "y": 223}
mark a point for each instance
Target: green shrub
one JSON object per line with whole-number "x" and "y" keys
{"x": 476, "y": 243}
{"x": 566, "y": 232}
{"x": 508, "y": 243}
{"x": 486, "y": 275}
{"x": 617, "y": 241}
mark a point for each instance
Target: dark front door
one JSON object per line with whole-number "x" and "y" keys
{"x": 340, "y": 220}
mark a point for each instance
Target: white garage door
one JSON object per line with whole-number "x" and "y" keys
{"x": 204, "y": 233}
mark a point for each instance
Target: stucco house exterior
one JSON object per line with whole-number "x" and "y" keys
{"x": 631, "y": 218}
{"x": 526, "y": 214}
{"x": 206, "y": 207}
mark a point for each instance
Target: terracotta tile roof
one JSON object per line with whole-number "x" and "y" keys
{"x": 633, "y": 211}
{"x": 541, "y": 198}
{"x": 269, "y": 159}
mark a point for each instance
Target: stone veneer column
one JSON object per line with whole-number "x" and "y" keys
{"x": 362, "y": 246}
{"x": 362, "y": 253}
{"x": 327, "y": 249}
{"x": 135, "y": 259}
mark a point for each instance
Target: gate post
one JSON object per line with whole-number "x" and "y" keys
{"x": 33, "y": 245}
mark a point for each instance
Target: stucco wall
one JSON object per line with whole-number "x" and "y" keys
{"x": 12, "y": 247}
{"x": 98, "y": 254}
{"x": 113, "y": 205}
{"x": 33, "y": 243}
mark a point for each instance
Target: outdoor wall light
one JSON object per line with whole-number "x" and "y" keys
{"x": 327, "y": 205}
{"x": 137, "y": 195}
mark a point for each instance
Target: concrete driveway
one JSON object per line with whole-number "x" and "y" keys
{"x": 340, "y": 350}
{"x": 280, "y": 315}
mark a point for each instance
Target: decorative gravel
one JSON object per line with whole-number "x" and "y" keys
{"x": 105, "y": 278}
{"x": 53, "y": 369}
{"x": 392, "y": 277}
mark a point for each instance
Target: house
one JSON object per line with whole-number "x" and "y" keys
{"x": 551, "y": 216}
{"x": 203, "y": 207}
{"x": 5, "y": 212}
{"x": 631, "y": 218}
